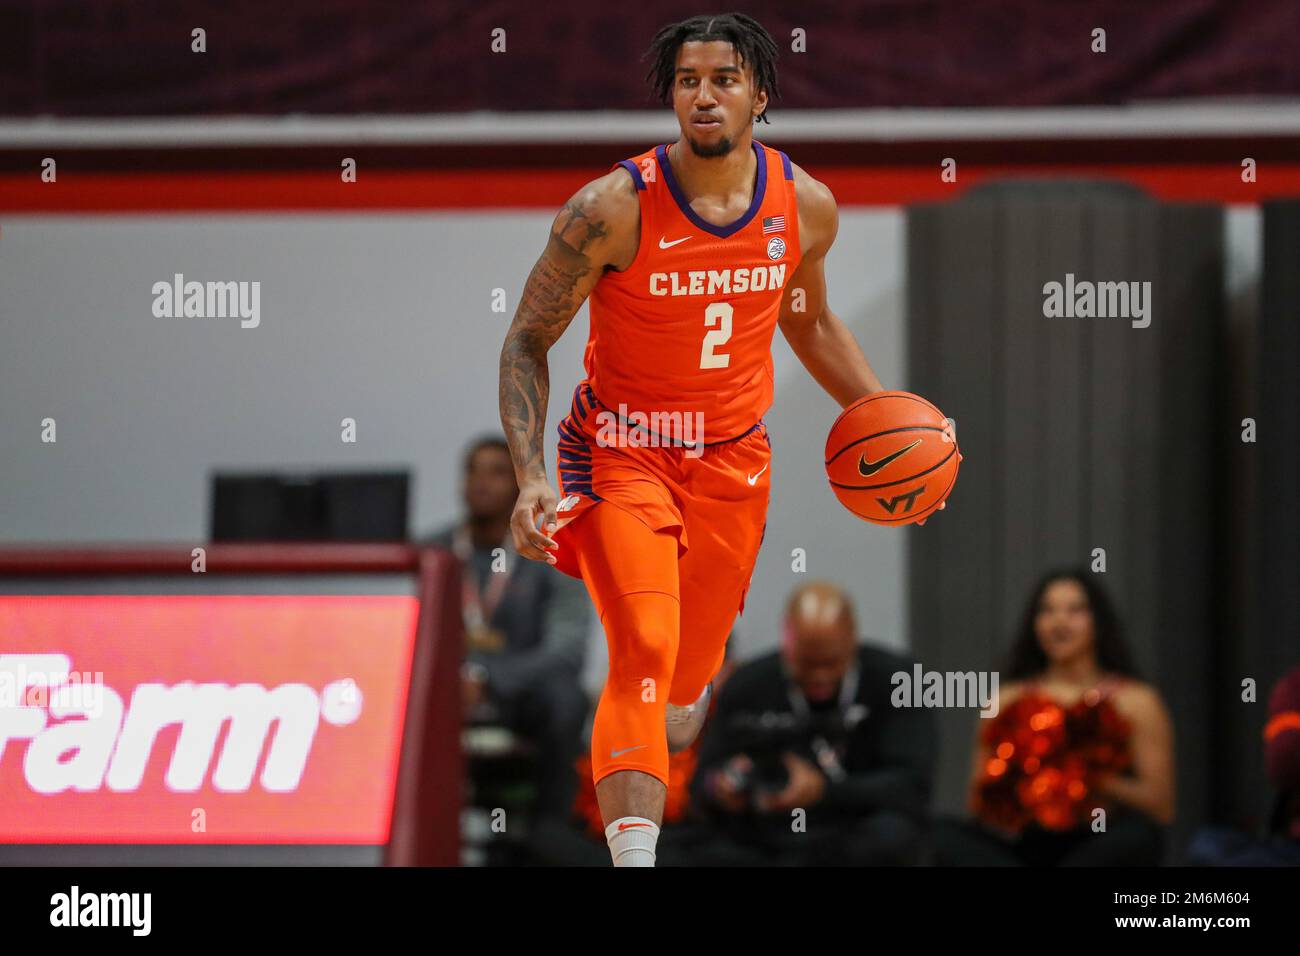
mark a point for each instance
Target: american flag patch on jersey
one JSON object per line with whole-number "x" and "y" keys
{"x": 773, "y": 224}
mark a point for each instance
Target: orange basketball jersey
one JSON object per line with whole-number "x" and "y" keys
{"x": 687, "y": 327}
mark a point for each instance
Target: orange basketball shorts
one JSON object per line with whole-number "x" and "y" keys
{"x": 682, "y": 523}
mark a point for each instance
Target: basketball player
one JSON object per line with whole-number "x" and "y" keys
{"x": 691, "y": 255}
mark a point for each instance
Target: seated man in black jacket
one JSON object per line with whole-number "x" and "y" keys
{"x": 805, "y": 761}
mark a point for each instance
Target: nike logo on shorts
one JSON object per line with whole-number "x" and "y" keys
{"x": 753, "y": 478}
{"x": 615, "y": 754}
{"x": 669, "y": 245}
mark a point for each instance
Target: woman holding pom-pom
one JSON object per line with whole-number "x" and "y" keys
{"x": 1076, "y": 769}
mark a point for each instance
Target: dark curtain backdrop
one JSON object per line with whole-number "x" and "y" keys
{"x": 1079, "y": 433}
{"x": 132, "y": 57}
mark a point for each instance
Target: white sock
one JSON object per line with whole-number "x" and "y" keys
{"x": 632, "y": 841}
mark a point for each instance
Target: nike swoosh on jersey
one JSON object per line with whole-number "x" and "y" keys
{"x": 868, "y": 468}
{"x": 669, "y": 245}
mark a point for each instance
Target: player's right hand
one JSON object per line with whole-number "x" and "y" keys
{"x": 536, "y": 500}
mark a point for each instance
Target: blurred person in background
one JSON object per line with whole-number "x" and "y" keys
{"x": 1075, "y": 733}
{"x": 1280, "y": 844}
{"x": 811, "y": 728}
{"x": 525, "y": 629}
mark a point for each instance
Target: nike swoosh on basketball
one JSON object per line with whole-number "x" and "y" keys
{"x": 753, "y": 478}
{"x": 868, "y": 468}
{"x": 669, "y": 245}
{"x": 615, "y": 754}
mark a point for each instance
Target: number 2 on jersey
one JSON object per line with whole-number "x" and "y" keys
{"x": 717, "y": 313}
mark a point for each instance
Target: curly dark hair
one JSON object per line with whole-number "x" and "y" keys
{"x": 751, "y": 41}
{"x": 1027, "y": 658}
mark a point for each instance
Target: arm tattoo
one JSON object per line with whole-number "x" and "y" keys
{"x": 554, "y": 291}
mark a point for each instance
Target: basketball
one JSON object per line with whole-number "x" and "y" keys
{"x": 888, "y": 458}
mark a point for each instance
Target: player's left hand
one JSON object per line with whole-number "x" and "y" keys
{"x": 943, "y": 504}
{"x": 806, "y": 787}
